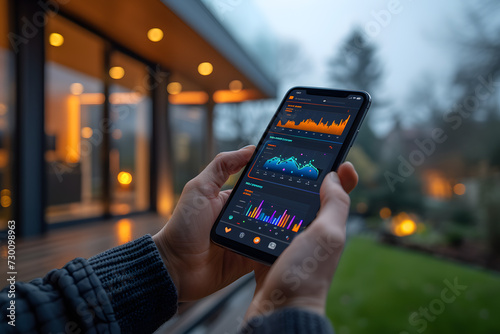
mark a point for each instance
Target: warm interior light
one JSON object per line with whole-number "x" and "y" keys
{"x": 87, "y": 132}
{"x": 385, "y": 213}
{"x": 205, "y": 68}
{"x": 121, "y": 208}
{"x": 459, "y": 189}
{"x": 235, "y": 86}
{"x": 155, "y": 34}
{"x": 124, "y": 178}
{"x": 125, "y": 98}
{"x": 174, "y": 88}
{"x": 5, "y": 201}
{"x": 73, "y": 126}
{"x": 228, "y": 96}
{"x": 4, "y": 158}
{"x": 124, "y": 230}
{"x": 56, "y": 39}
{"x": 116, "y": 72}
{"x": 76, "y": 88}
{"x": 92, "y": 98}
{"x": 3, "y": 109}
{"x": 117, "y": 134}
{"x": 189, "y": 98}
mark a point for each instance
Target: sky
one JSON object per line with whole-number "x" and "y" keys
{"x": 416, "y": 40}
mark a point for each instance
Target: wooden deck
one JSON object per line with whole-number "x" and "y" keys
{"x": 220, "y": 312}
{"x": 37, "y": 256}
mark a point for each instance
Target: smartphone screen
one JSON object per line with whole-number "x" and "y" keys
{"x": 277, "y": 195}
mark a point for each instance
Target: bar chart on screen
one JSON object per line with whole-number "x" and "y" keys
{"x": 272, "y": 210}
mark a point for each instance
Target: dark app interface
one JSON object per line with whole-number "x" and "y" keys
{"x": 279, "y": 195}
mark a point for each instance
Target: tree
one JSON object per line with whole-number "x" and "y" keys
{"x": 355, "y": 66}
{"x": 478, "y": 76}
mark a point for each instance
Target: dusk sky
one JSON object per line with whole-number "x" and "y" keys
{"x": 418, "y": 40}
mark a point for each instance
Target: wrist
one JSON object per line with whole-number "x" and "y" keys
{"x": 165, "y": 256}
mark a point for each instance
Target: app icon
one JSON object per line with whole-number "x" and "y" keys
{"x": 256, "y": 240}
{"x": 271, "y": 245}
{"x": 242, "y": 234}
{"x": 228, "y": 229}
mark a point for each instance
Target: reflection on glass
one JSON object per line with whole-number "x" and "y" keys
{"x": 188, "y": 135}
{"x": 123, "y": 229}
{"x": 6, "y": 119}
{"x": 73, "y": 123}
{"x": 130, "y": 135}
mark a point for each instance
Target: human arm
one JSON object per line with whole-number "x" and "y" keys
{"x": 125, "y": 289}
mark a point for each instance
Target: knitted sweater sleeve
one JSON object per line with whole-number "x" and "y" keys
{"x": 126, "y": 289}
{"x": 141, "y": 291}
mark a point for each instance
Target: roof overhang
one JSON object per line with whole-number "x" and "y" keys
{"x": 191, "y": 35}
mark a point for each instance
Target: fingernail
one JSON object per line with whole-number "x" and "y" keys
{"x": 244, "y": 147}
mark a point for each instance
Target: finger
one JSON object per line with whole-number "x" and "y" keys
{"x": 334, "y": 208}
{"x": 223, "y": 165}
{"x": 348, "y": 176}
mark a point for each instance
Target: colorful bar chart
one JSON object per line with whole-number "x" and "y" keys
{"x": 283, "y": 220}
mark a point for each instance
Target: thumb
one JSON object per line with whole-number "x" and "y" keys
{"x": 223, "y": 165}
{"x": 334, "y": 206}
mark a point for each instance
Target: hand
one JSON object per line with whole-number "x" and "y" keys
{"x": 197, "y": 266}
{"x": 301, "y": 276}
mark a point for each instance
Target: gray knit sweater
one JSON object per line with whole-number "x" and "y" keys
{"x": 125, "y": 289}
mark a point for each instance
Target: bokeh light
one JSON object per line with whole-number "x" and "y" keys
{"x": 174, "y": 88}
{"x": 205, "y": 68}
{"x": 155, "y": 34}
{"x": 124, "y": 178}
{"x": 56, "y": 39}
{"x": 116, "y": 72}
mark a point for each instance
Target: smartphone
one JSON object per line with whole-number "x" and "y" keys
{"x": 277, "y": 195}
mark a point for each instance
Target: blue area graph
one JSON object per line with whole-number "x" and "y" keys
{"x": 291, "y": 166}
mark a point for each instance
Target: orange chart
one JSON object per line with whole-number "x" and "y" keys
{"x": 310, "y": 125}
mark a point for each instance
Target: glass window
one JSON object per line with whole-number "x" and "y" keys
{"x": 73, "y": 122}
{"x": 131, "y": 113}
{"x": 188, "y": 124}
{"x": 6, "y": 118}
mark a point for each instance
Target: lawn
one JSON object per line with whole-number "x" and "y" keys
{"x": 377, "y": 288}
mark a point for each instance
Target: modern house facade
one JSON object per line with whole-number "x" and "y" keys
{"x": 103, "y": 104}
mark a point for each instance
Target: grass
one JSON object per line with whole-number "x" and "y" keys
{"x": 377, "y": 288}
